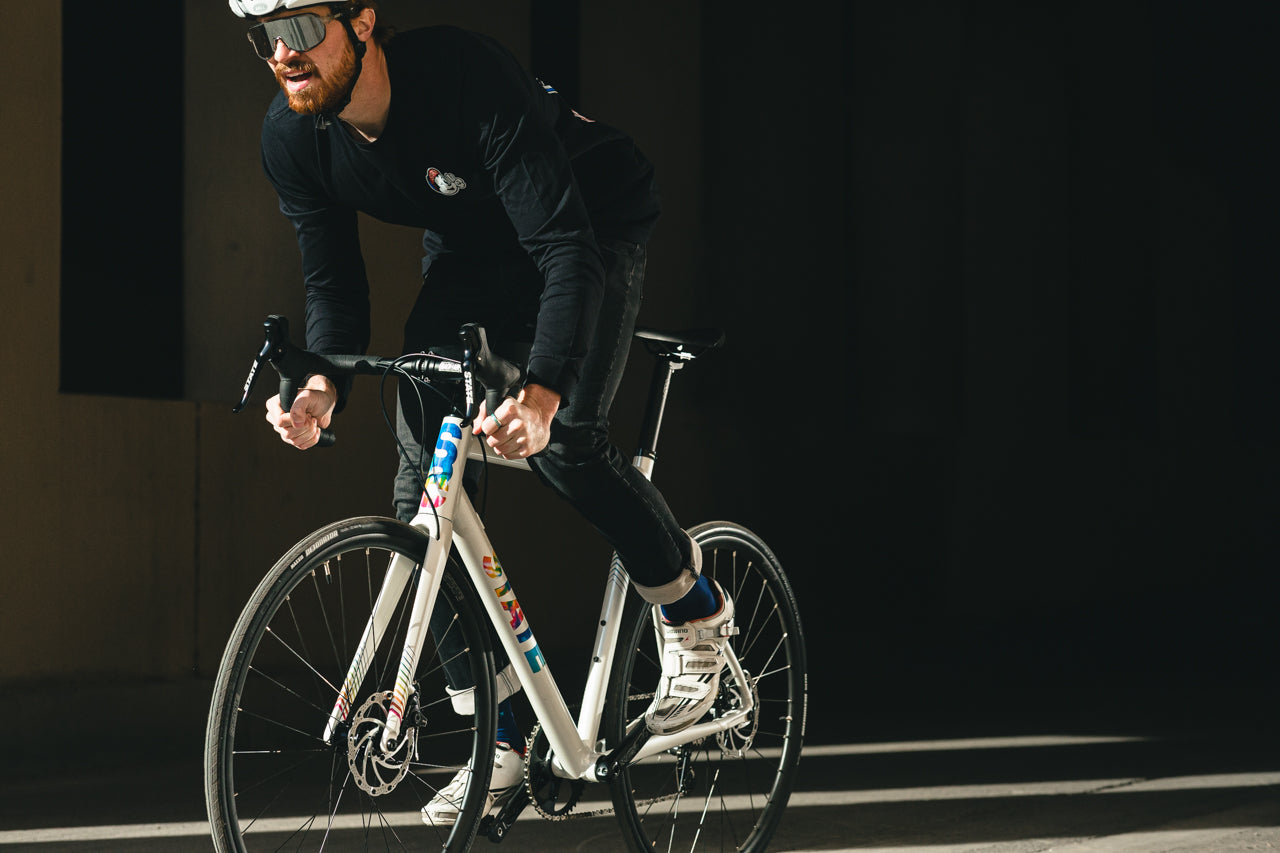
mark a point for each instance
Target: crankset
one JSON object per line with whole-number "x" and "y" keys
{"x": 550, "y": 795}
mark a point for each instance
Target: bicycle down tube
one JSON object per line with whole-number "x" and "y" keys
{"x": 610, "y": 621}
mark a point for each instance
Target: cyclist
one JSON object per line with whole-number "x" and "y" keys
{"x": 535, "y": 221}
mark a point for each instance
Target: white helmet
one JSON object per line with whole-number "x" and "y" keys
{"x": 256, "y": 8}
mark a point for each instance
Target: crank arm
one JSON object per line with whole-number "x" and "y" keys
{"x": 495, "y": 827}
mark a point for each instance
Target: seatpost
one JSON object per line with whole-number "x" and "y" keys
{"x": 655, "y": 404}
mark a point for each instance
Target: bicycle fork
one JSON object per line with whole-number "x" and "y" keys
{"x": 400, "y": 571}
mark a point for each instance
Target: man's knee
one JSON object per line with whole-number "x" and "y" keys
{"x": 575, "y": 447}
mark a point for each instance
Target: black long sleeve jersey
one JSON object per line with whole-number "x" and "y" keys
{"x": 489, "y": 161}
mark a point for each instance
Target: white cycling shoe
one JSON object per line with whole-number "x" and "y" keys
{"x": 508, "y": 776}
{"x": 692, "y": 659}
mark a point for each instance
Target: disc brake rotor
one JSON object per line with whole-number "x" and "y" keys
{"x": 374, "y": 771}
{"x": 733, "y": 697}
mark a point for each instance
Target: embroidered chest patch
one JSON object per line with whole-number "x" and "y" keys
{"x": 445, "y": 183}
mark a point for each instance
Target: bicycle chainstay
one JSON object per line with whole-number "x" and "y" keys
{"x": 568, "y": 812}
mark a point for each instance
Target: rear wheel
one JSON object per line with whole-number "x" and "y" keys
{"x": 271, "y": 779}
{"x": 728, "y": 791}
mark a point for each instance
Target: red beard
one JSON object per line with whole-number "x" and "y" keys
{"x": 323, "y": 93}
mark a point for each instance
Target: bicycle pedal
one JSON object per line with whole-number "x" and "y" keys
{"x": 496, "y": 826}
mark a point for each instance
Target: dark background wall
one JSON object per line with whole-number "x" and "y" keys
{"x": 999, "y": 385}
{"x": 1003, "y": 276}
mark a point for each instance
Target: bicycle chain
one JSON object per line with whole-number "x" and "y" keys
{"x": 576, "y": 788}
{"x": 567, "y": 812}
{"x": 536, "y": 765}
{"x": 608, "y": 811}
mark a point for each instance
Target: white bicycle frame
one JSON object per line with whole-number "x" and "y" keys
{"x": 448, "y": 518}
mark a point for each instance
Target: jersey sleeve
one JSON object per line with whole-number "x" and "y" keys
{"x": 531, "y": 174}
{"x": 333, "y": 270}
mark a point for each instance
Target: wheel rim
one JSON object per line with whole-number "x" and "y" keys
{"x": 725, "y": 792}
{"x": 279, "y": 783}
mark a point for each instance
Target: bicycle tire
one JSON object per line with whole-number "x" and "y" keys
{"x": 725, "y": 792}
{"x": 270, "y": 778}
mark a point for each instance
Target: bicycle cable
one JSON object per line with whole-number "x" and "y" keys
{"x": 416, "y": 383}
{"x": 395, "y": 367}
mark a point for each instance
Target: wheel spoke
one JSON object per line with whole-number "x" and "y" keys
{"x": 686, "y": 801}
{"x": 286, "y": 726}
{"x": 303, "y": 660}
{"x": 277, "y": 783}
{"x": 255, "y": 671}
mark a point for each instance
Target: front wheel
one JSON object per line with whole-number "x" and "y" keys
{"x": 272, "y": 780}
{"x": 728, "y": 791}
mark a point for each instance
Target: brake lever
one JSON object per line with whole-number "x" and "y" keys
{"x": 252, "y": 379}
{"x": 498, "y": 375}
{"x": 275, "y": 329}
{"x": 292, "y": 364}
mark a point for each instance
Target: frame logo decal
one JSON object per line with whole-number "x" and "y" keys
{"x": 442, "y": 460}
{"x": 519, "y": 625}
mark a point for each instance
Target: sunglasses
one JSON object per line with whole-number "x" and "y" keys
{"x": 299, "y": 33}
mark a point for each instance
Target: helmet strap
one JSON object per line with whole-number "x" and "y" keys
{"x": 359, "y": 47}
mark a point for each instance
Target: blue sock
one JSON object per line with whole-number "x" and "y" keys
{"x": 508, "y": 729}
{"x": 698, "y": 602}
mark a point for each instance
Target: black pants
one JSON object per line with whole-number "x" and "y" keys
{"x": 580, "y": 463}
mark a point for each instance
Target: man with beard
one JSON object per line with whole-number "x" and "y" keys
{"x": 534, "y": 224}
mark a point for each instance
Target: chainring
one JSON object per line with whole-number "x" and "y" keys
{"x": 550, "y": 795}
{"x": 375, "y": 772}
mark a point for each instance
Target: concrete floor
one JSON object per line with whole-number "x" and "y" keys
{"x": 1021, "y": 774}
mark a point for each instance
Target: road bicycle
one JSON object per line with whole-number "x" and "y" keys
{"x": 333, "y": 722}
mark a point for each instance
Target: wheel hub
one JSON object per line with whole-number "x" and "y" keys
{"x": 733, "y": 697}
